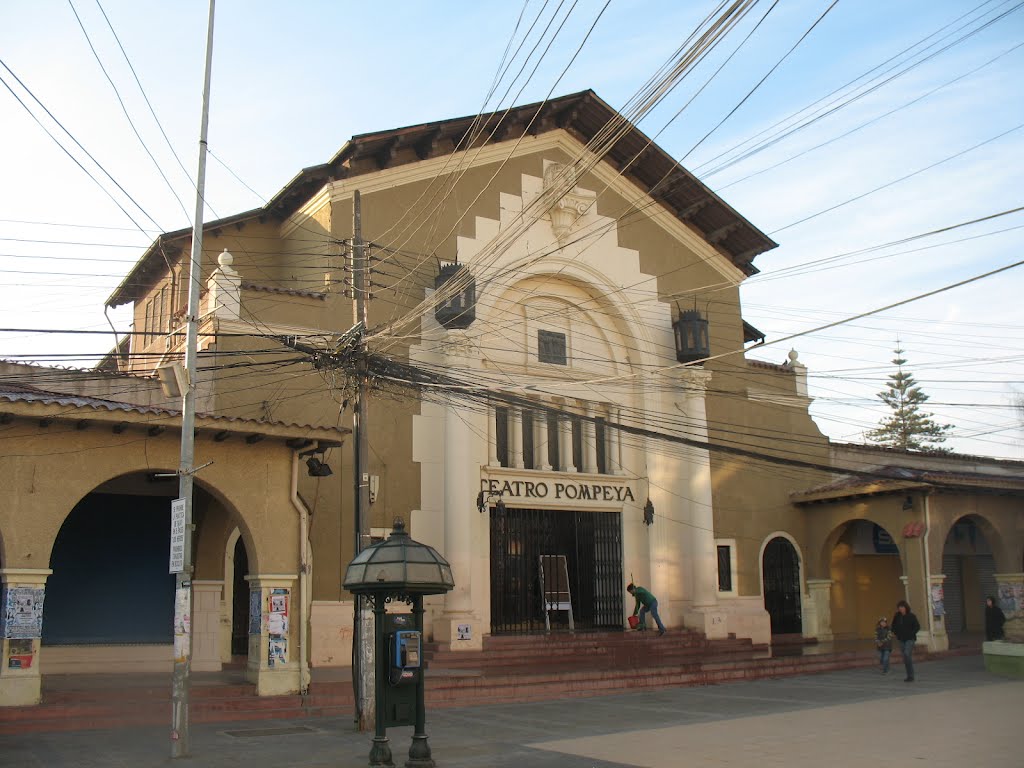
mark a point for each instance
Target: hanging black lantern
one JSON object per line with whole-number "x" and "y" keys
{"x": 692, "y": 341}
{"x": 459, "y": 309}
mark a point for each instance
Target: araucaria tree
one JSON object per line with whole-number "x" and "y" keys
{"x": 908, "y": 427}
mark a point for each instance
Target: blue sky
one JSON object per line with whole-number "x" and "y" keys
{"x": 292, "y": 82}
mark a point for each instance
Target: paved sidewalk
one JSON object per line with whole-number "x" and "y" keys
{"x": 956, "y": 714}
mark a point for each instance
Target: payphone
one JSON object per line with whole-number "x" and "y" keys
{"x": 408, "y": 648}
{"x": 404, "y": 653}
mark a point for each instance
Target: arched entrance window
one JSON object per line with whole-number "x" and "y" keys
{"x": 970, "y": 568}
{"x": 781, "y": 575}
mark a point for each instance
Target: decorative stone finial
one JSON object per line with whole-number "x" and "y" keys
{"x": 570, "y": 206}
{"x": 793, "y": 355}
{"x": 225, "y": 259}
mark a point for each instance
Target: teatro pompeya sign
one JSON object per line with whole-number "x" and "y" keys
{"x": 540, "y": 489}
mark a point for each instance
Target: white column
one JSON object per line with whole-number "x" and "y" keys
{"x": 461, "y": 484}
{"x": 565, "y": 444}
{"x": 704, "y": 613}
{"x": 615, "y": 444}
{"x": 540, "y": 440}
{"x": 705, "y": 556}
{"x": 589, "y": 441}
{"x": 492, "y": 436}
{"x": 457, "y": 509}
{"x": 515, "y": 430}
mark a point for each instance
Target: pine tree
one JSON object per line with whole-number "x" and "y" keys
{"x": 908, "y": 427}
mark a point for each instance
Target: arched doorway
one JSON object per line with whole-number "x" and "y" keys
{"x": 780, "y": 568}
{"x": 969, "y": 566}
{"x": 865, "y": 568}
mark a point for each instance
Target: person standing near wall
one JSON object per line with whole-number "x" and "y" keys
{"x": 906, "y": 626}
{"x": 994, "y": 620}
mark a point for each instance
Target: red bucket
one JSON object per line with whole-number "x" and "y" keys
{"x": 633, "y": 622}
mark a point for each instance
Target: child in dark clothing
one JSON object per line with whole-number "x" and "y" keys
{"x": 883, "y": 642}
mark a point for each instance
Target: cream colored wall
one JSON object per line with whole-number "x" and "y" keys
{"x": 595, "y": 292}
{"x": 628, "y": 326}
{"x": 48, "y": 472}
{"x": 49, "y": 469}
{"x": 752, "y": 496}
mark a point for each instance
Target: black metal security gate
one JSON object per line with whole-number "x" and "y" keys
{"x": 592, "y": 545}
{"x": 782, "y": 587}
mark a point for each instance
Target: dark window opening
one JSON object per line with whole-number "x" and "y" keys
{"x": 554, "y": 457}
{"x": 240, "y": 602}
{"x": 528, "y": 452}
{"x": 601, "y": 438}
{"x": 577, "y": 442}
{"x": 501, "y": 435}
{"x": 551, "y": 347}
{"x": 724, "y": 568}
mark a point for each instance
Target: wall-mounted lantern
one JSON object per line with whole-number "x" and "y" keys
{"x": 483, "y": 498}
{"x": 457, "y": 310}
{"x": 692, "y": 340}
{"x": 317, "y": 467}
{"x": 649, "y": 513}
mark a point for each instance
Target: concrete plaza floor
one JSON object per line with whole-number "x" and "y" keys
{"x": 955, "y": 714}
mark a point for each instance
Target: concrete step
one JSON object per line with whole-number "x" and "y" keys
{"x": 113, "y": 706}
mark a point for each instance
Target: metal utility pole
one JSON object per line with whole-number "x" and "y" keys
{"x": 363, "y": 636}
{"x": 183, "y": 582}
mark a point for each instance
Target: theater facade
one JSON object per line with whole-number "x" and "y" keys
{"x": 584, "y": 412}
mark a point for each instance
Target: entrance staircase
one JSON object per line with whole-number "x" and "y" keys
{"x": 509, "y": 669}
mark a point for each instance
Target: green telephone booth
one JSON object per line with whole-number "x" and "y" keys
{"x": 399, "y": 570}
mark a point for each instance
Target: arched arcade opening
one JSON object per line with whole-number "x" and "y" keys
{"x": 970, "y": 567}
{"x": 110, "y": 599}
{"x": 865, "y": 568}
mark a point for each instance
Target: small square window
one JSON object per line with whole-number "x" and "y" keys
{"x": 551, "y": 347}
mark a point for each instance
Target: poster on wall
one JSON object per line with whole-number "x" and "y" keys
{"x": 277, "y": 618}
{"x": 255, "y": 613}
{"x": 937, "y": 600}
{"x": 23, "y": 612}
{"x": 1011, "y": 597}
{"x": 277, "y": 650}
{"x": 20, "y": 654}
{"x": 182, "y": 623}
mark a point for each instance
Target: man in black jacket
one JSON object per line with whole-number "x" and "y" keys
{"x": 905, "y": 626}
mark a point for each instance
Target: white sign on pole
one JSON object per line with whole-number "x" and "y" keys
{"x": 177, "y": 536}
